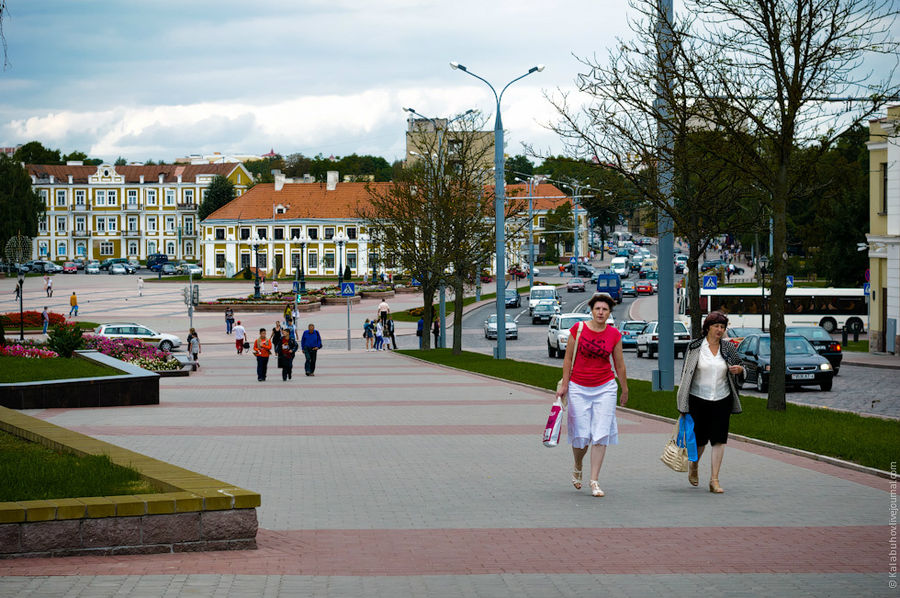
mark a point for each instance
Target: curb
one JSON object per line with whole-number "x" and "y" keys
{"x": 784, "y": 449}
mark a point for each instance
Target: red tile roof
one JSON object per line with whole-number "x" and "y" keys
{"x": 347, "y": 200}
{"x": 132, "y": 174}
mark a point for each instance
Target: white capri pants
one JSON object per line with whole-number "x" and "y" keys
{"x": 591, "y": 415}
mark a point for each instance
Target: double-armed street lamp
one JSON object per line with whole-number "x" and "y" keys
{"x": 339, "y": 240}
{"x": 255, "y": 243}
{"x": 300, "y": 279}
{"x": 499, "y": 199}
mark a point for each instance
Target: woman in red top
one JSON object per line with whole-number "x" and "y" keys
{"x": 589, "y": 387}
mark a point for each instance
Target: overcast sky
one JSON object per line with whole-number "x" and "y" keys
{"x": 159, "y": 79}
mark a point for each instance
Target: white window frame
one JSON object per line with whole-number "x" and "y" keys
{"x": 80, "y": 224}
{"x": 151, "y": 247}
{"x": 107, "y": 248}
{"x": 45, "y": 196}
{"x": 170, "y": 197}
{"x": 170, "y": 247}
{"x": 61, "y": 248}
{"x": 133, "y": 248}
{"x": 189, "y": 248}
{"x": 151, "y": 197}
{"x": 112, "y": 224}
{"x": 100, "y": 197}
{"x": 112, "y": 197}
{"x": 188, "y": 196}
{"x": 170, "y": 224}
{"x": 132, "y": 196}
{"x": 61, "y": 225}
{"x": 42, "y": 225}
{"x": 132, "y": 223}
{"x": 151, "y": 226}
{"x": 101, "y": 224}
{"x": 79, "y": 197}
{"x": 189, "y": 225}
{"x": 60, "y": 198}
{"x": 43, "y": 248}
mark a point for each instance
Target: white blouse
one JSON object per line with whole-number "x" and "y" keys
{"x": 710, "y": 378}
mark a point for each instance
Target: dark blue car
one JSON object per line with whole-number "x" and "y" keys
{"x": 513, "y": 298}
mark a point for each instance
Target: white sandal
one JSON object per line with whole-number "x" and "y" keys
{"x": 595, "y": 489}
{"x": 576, "y": 478}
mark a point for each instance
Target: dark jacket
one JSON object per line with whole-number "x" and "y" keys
{"x": 729, "y": 354}
{"x": 286, "y": 357}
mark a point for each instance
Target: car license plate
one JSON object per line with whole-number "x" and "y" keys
{"x": 803, "y": 376}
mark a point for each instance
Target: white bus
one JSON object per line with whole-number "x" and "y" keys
{"x": 831, "y": 308}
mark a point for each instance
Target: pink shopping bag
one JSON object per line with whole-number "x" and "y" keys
{"x": 554, "y": 422}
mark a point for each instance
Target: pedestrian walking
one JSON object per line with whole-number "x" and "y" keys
{"x": 436, "y": 332}
{"x": 240, "y": 337}
{"x": 286, "y": 356}
{"x": 383, "y": 311}
{"x": 18, "y": 289}
{"x": 45, "y": 318}
{"x": 709, "y": 392}
{"x": 46, "y": 278}
{"x": 262, "y": 348}
{"x": 194, "y": 348}
{"x": 274, "y": 287}
{"x": 389, "y": 331}
{"x": 73, "y": 305}
{"x": 420, "y": 329}
{"x": 368, "y": 334}
{"x": 140, "y": 283}
{"x": 311, "y": 343}
{"x": 50, "y": 287}
{"x": 589, "y": 387}
{"x": 379, "y": 336}
{"x": 229, "y": 320}
{"x": 276, "y": 337}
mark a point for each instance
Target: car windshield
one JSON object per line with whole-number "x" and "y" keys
{"x": 511, "y": 293}
{"x": 634, "y": 326}
{"x": 568, "y": 322}
{"x": 793, "y": 345}
{"x": 542, "y": 293}
{"x": 746, "y": 331}
{"x": 576, "y": 281}
{"x": 493, "y": 319}
{"x": 812, "y": 333}
{"x": 680, "y": 328}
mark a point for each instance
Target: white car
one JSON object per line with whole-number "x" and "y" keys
{"x": 92, "y": 267}
{"x": 648, "y": 339}
{"x": 490, "y": 327}
{"x": 538, "y": 293}
{"x": 164, "y": 341}
{"x": 620, "y": 266}
{"x": 558, "y": 332}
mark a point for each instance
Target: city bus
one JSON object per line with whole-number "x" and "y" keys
{"x": 831, "y": 308}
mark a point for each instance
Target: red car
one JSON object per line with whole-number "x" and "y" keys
{"x": 70, "y": 268}
{"x": 643, "y": 287}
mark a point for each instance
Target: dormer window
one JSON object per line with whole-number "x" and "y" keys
{"x": 279, "y": 209}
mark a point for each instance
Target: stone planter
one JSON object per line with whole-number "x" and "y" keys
{"x": 257, "y": 307}
{"x": 407, "y": 290}
{"x": 376, "y": 294}
{"x": 340, "y": 300}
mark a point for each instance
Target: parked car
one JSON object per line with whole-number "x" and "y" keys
{"x": 582, "y": 270}
{"x": 804, "y": 365}
{"x": 544, "y": 310}
{"x": 79, "y": 262}
{"x": 135, "y": 264}
{"x": 826, "y": 346}
{"x": 643, "y": 287}
{"x": 70, "y": 268}
{"x": 163, "y": 340}
{"x": 629, "y": 289}
{"x": 156, "y": 260}
{"x": 648, "y": 339}
{"x": 117, "y": 268}
{"x": 630, "y": 330}
{"x": 92, "y": 267}
{"x": 45, "y": 267}
{"x": 490, "y": 327}
{"x": 558, "y": 332}
{"x": 513, "y": 298}
{"x": 736, "y": 335}
{"x": 167, "y": 269}
{"x": 113, "y": 260}
{"x": 188, "y": 268}
{"x": 575, "y": 285}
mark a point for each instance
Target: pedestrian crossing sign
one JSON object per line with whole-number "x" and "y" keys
{"x": 790, "y": 282}
{"x": 710, "y": 282}
{"x": 348, "y": 289}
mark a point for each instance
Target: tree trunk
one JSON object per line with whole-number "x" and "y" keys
{"x": 778, "y": 286}
{"x": 693, "y": 288}
{"x": 457, "y": 315}
{"x": 427, "y": 314}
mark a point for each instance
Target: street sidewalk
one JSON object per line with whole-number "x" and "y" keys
{"x": 384, "y": 475}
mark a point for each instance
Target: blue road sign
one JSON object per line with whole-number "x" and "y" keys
{"x": 866, "y": 288}
{"x": 348, "y": 289}
{"x": 790, "y": 282}
{"x": 572, "y": 260}
{"x": 710, "y": 282}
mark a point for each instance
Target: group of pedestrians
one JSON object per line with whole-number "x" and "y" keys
{"x": 708, "y": 391}
{"x": 379, "y": 333}
{"x": 282, "y": 341}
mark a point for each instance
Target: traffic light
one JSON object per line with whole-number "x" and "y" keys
{"x": 195, "y": 295}
{"x": 186, "y": 291}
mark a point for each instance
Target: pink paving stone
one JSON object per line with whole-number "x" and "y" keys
{"x": 448, "y": 430}
{"x": 230, "y": 524}
{"x": 51, "y": 535}
{"x": 111, "y": 531}
{"x": 166, "y": 529}
{"x": 651, "y": 551}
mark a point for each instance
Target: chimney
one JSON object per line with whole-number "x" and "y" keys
{"x": 142, "y": 179}
{"x": 70, "y": 179}
{"x": 332, "y": 180}
{"x": 161, "y": 178}
{"x": 279, "y": 180}
{"x": 53, "y": 178}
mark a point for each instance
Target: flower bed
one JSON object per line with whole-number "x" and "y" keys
{"x": 133, "y": 351}
{"x": 30, "y": 351}
{"x": 32, "y": 319}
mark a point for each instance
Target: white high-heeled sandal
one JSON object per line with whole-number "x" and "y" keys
{"x": 595, "y": 489}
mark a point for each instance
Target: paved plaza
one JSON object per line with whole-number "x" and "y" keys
{"x": 386, "y": 476}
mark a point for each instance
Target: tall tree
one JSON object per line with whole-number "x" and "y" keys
{"x": 34, "y": 152}
{"x": 517, "y": 167}
{"x": 75, "y": 156}
{"x": 20, "y": 207}
{"x": 219, "y": 192}
{"x": 120, "y": 161}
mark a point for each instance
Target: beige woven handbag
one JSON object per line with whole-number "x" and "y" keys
{"x": 675, "y": 457}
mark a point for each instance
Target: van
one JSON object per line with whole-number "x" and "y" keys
{"x": 619, "y": 265}
{"x": 156, "y": 260}
{"x": 538, "y": 293}
{"x": 611, "y": 284}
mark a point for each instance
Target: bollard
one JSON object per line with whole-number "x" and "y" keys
{"x": 844, "y": 336}
{"x": 856, "y": 335}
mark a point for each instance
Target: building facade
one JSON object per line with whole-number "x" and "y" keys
{"x": 884, "y": 232}
{"x": 107, "y": 211}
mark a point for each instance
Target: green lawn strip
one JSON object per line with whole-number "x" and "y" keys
{"x": 12, "y": 330}
{"x": 857, "y": 346}
{"x": 30, "y": 471}
{"x": 23, "y": 369}
{"x": 869, "y": 441}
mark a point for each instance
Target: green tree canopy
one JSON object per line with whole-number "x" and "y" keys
{"x": 120, "y": 161}
{"x": 34, "y": 152}
{"x": 20, "y": 207}
{"x": 76, "y": 155}
{"x": 219, "y": 192}
{"x": 517, "y": 166}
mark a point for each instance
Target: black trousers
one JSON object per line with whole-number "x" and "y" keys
{"x": 262, "y": 366}
{"x": 310, "y": 365}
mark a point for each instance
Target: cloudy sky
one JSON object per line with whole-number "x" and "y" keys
{"x": 159, "y": 79}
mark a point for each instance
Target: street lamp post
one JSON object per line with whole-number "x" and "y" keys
{"x": 299, "y": 274}
{"x": 529, "y": 186}
{"x": 575, "y": 187}
{"x": 255, "y": 245}
{"x": 339, "y": 240}
{"x": 499, "y": 199}
{"x": 21, "y": 311}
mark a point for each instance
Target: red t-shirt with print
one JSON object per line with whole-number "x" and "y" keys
{"x": 593, "y": 366}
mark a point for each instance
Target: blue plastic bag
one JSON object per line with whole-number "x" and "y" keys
{"x": 686, "y": 438}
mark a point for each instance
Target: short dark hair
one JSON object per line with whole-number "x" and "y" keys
{"x": 714, "y": 317}
{"x": 262, "y": 329}
{"x": 604, "y": 297}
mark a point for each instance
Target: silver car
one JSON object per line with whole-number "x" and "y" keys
{"x": 490, "y": 327}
